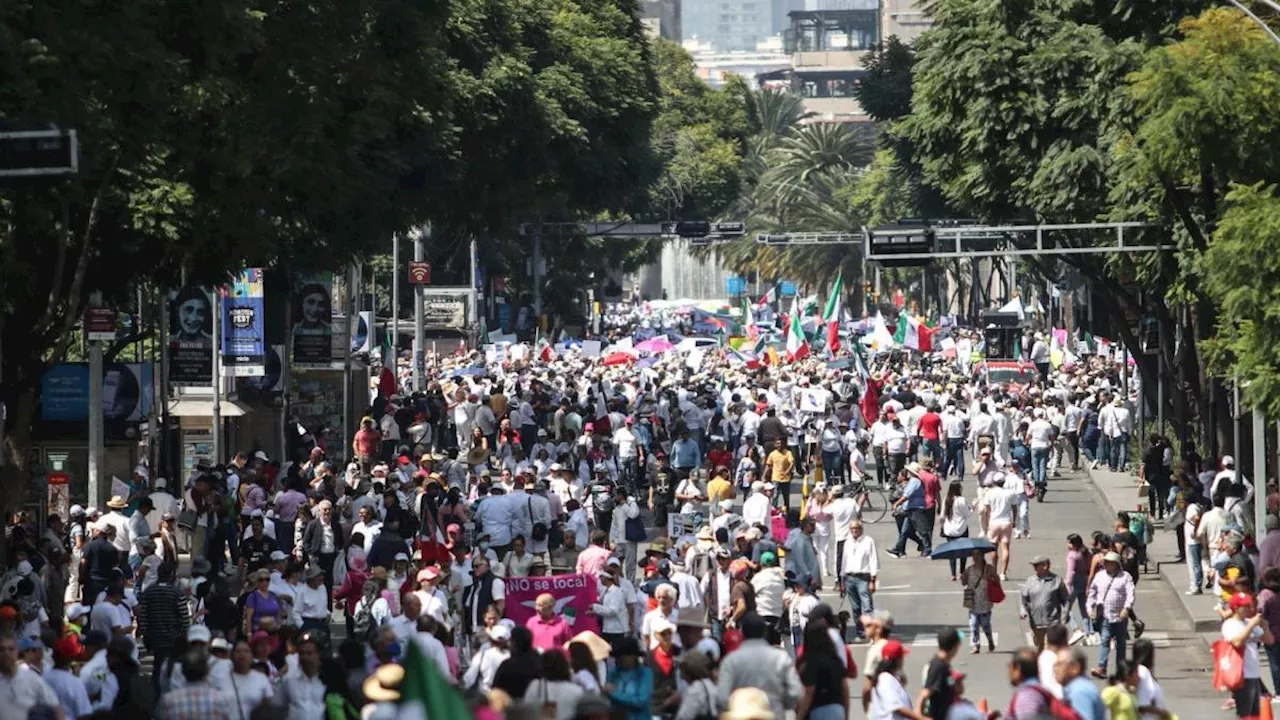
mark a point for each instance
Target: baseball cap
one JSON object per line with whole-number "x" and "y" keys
{"x": 893, "y": 650}
{"x": 1239, "y": 600}
{"x": 499, "y": 632}
{"x": 220, "y": 644}
{"x": 30, "y": 642}
{"x": 198, "y": 634}
{"x": 277, "y": 556}
{"x": 661, "y": 625}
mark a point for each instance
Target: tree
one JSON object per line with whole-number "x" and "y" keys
{"x": 1016, "y": 112}
{"x": 297, "y": 136}
{"x": 1202, "y": 157}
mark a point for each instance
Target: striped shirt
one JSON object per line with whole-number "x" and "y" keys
{"x": 1115, "y": 594}
{"x": 163, "y": 616}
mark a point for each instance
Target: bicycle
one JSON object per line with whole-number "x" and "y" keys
{"x": 873, "y": 501}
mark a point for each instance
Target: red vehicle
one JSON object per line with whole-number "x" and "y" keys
{"x": 1015, "y": 375}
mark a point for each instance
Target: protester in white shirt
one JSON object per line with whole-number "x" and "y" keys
{"x": 249, "y": 687}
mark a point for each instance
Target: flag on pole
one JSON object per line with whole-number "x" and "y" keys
{"x": 542, "y": 348}
{"x": 831, "y": 314}
{"x": 912, "y": 333}
{"x": 768, "y": 298}
{"x": 425, "y": 693}
{"x": 749, "y": 320}
{"x": 797, "y": 345}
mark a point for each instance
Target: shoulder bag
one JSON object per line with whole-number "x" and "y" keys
{"x": 539, "y": 531}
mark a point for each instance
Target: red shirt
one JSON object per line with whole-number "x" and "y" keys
{"x": 720, "y": 458}
{"x": 932, "y": 489}
{"x": 930, "y": 425}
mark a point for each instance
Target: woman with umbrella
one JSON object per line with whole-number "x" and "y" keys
{"x": 981, "y": 583}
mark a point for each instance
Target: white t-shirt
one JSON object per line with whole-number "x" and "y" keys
{"x": 25, "y": 690}
{"x": 106, "y": 616}
{"x": 1231, "y": 628}
{"x": 250, "y": 690}
{"x": 1149, "y": 692}
{"x": 1191, "y": 514}
{"x": 1000, "y": 500}
{"x": 887, "y": 698}
{"x": 1040, "y": 431}
{"x": 1045, "y": 662}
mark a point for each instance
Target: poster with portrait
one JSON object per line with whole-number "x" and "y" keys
{"x": 313, "y": 321}
{"x": 191, "y": 337}
{"x": 244, "y": 326}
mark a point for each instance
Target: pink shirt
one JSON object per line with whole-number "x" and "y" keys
{"x": 1269, "y": 551}
{"x": 549, "y": 634}
{"x": 592, "y": 560}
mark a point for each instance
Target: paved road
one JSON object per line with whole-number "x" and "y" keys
{"x": 923, "y": 600}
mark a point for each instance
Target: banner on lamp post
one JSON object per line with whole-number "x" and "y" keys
{"x": 244, "y": 352}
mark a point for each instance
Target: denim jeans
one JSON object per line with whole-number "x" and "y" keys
{"x": 858, "y": 590}
{"x": 934, "y": 450}
{"x": 979, "y": 621}
{"x": 1273, "y": 659}
{"x": 1119, "y": 452}
{"x": 914, "y": 527}
{"x": 1039, "y": 465}
{"x": 834, "y": 711}
{"x": 954, "y": 459}
{"x": 1195, "y": 565}
{"x": 1117, "y": 631}
{"x": 962, "y": 560}
{"x": 1103, "y": 454}
{"x": 832, "y": 465}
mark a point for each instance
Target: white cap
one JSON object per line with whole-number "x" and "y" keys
{"x": 261, "y": 456}
{"x": 499, "y": 632}
{"x": 142, "y": 472}
{"x": 75, "y": 611}
{"x": 220, "y": 644}
{"x": 1227, "y": 460}
{"x": 198, "y": 633}
{"x": 161, "y": 483}
{"x": 277, "y": 556}
{"x": 76, "y": 510}
{"x": 401, "y": 556}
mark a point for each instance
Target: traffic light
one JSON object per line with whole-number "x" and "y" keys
{"x": 693, "y": 228}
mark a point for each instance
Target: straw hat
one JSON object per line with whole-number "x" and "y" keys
{"x": 748, "y": 703}
{"x": 384, "y": 684}
{"x": 599, "y": 647}
{"x": 117, "y": 503}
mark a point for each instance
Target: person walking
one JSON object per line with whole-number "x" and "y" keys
{"x": 1247, "y": 629}
{"x": 163, "y": 617}
{"x": 916, "y": 521}
{"x": 977, "y": 580}
{"x": 955, "y": 513}
{"x": 758, "y": 664}
{"x": 1111, "y": 598}
{"x": 861, "y": 566}
{"x": 1045, "y": 600}
{"x": 818, "y": 509}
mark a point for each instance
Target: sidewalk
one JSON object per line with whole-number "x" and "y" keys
{"x": 1119, "y": 491}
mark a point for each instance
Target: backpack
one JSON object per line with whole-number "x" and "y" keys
{"x": 365, "y": 630}
{"x": 602, "y": 497}
{"x": 700, "y": 564}
{"x": 1057, "y": 708}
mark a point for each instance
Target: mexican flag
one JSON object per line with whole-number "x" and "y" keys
{"x": 831, "y": 314}
{"x": 913, "y": 333}
{"x": 749, "y": 320}
{"x": 425, "y": 693}
{"x": 768, "y": 298}
{"x": 797, "y": 345}
{"x": 542, "y": 348}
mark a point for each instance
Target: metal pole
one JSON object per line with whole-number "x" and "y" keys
{"x": 1259, "y": 471}
{"x": 537, "y": 274}
{"x": 474, "y": 297}
{"x": 162, "y": 394}
{"x": 286, "y": 373}
{"x": 1235, "y": 423}
{"x": 353, "y": 319}
{"x": 395, "y": 306}
{"x": 98, "y": 483}
{"x": 1160, "y": 392}
{"x": 217, "y": 375}
{"x": 419, "y": 351}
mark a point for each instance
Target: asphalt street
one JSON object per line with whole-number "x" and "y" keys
{"x": 923, "y": 600}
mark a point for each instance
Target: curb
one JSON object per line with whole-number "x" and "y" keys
{"x": 1192, "y": 623}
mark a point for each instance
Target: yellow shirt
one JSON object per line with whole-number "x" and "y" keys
{"x": 780, "y": 466}
{"x": 1121, "y": 705}
{"x": 719, "y": 490}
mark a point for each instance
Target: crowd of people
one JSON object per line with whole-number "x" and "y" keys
{"x": 708, "y": 504}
